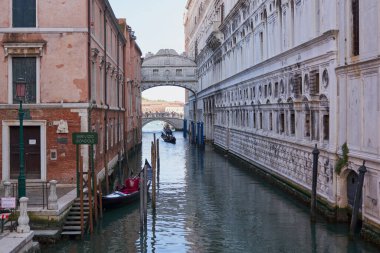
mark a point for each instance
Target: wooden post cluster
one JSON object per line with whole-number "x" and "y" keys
{"x": 90, "y": 182}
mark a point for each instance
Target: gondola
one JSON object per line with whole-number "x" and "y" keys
{"x": 128, "y": 193}
{"x": 168, "y": 138}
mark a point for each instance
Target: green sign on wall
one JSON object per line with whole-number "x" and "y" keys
{"x": 85, "y": 138}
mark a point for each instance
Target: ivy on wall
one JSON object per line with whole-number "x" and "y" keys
{"x": 342, "y": 161}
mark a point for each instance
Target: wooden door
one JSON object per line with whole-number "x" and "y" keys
{"x": 32, "y": 145}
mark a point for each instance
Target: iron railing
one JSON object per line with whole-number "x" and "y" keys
{"x": 37, "y": 192}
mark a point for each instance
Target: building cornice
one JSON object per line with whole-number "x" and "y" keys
{"x": 45, "y": 30}
{"x": 365, "y": 64}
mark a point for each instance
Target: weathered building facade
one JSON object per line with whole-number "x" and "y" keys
{"x": 277, "y": 77}
{"x": 78, "y": 62}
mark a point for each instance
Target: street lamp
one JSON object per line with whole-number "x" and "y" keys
{"x": 20, "y": 94}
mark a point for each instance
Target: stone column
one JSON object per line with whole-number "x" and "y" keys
{"x": 7, "y": 189}
{"x": 23, "y": 220}
{"x": 52, "y": 200}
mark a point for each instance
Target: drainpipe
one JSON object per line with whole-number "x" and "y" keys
{"x": 105, "y": 99}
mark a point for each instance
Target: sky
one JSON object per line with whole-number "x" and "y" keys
{"x": 157, "y": 24}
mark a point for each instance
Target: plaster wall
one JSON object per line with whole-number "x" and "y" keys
{"x": 51, "y": 14}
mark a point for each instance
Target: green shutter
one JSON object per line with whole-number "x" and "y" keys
{"x": 24, "y": 13}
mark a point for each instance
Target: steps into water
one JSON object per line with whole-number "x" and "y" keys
{"x": 72, "y": 224}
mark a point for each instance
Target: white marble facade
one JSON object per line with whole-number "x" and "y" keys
{"x": 276, "y": 77}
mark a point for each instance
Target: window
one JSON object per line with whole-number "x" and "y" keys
{"x": 178, "y": 72}
{"x": 282, "y": 123}
{"x": 261, "y": 120}
{"x": 24, "y": 13}
{"x": 155, "y": 72}
{"x": 93, "y": 81}
{"x": 254, "y": 119}
{"x": 292, "y": 123}
{"x": 314, "y": 83}
{"x": 24, "y": 68}
{"x": 355, "y": 27}
{"x": 270, "y": 121}
{"x": 298, "y": 85}
{"x": 307, "y": 125}
{"x": 326, "y": 127}
{"x": 276, "y": 90}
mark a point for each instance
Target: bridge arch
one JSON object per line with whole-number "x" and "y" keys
{"x": 168, "y": 68}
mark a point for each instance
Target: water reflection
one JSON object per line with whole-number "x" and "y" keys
{"x": 207, "y": 203}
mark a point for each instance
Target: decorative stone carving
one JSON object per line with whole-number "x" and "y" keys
{"x": 52, "y": 199}
{"x": 102, "y": 61}
{"x": 23, "y": 49}
{"x": 62, "y": 126}
{"x": 23, "y": 219}
{"x": 94, "y": 54}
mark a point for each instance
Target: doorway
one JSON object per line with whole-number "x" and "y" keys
{"x": 32, "y": 146}
{"x": 352, "y": 182}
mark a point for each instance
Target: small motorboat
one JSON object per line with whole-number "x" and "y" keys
{"x": 128, "y": 193}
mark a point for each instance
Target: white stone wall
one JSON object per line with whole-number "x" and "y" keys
{"x": 358, "y": 96}
{"x": 277, "y": 77}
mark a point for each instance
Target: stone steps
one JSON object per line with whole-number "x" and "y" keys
{"x": 71, "y": 233}
{"x": 73, "y": 220}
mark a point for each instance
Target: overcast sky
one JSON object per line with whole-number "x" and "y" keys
{"x": 157, "y": 24}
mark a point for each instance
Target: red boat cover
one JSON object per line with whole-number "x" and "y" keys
{"x": 131, "y": 185}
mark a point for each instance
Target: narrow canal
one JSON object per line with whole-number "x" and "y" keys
{"x": 207, "y": 203}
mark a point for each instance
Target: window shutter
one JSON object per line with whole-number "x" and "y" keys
{"x": 30, "y": 13}
{"x": 24, "y": 13}
{"x": 17, "y": 13}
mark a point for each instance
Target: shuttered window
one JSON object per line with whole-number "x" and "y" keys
{"x": 24, "y": 13}
{"x": 24, "y": 68}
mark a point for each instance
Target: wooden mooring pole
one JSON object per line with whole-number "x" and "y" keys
{"x": 158, "y": 160}
{"x": 89, "y": 192}
{"x": 153, "y": 161}
{"x": 313, "y": 203}
{"x": 358, "y": 199}
{"x": 145, "y": 186}
{"x": 142, "y": 199}
{"x": 81, "y": 194}
{"x": 100, "y": 201}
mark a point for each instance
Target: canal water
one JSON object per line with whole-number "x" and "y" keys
{"x": 207, "y": 203}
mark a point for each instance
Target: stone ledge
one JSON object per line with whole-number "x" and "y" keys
{"x": 16, "y": 242}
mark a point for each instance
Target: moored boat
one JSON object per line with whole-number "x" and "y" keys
{"x": 129, "y": 193}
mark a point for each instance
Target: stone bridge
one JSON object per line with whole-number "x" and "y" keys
{"x": 168, "y": 68}
{"x": 174, "y": 119}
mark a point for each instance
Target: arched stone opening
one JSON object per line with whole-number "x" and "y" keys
{"x": 347, "y": 182}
